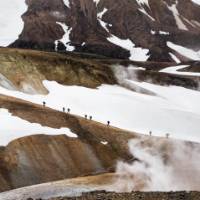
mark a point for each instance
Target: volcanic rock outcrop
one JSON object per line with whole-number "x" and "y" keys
{"x": 87, "y": 26}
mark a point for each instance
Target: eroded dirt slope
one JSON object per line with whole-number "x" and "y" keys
{"x": 25, "y": 70}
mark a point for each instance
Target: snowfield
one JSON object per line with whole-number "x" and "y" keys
{"x": 14, "y": 127}
{"x": 173, "y": 110}
{"x": 174, "y": 70}
{"x": 11, "y": 25}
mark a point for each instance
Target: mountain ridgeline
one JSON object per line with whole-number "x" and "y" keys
{"x": 101, "y": 27}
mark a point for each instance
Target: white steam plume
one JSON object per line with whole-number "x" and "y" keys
{"x": 125, "y": 74}
{"x": 161, "y": 165}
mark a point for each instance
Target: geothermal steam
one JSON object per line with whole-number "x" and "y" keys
{"x": 161, "y": 165}
{"x": 125, "y": 75}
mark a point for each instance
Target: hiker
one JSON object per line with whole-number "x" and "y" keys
{"x": 108, "y": 123}
{"x": 85, "y": 116}
{"x": 68, "y": 110}
{"x": 63, "y": 109}
{"x": 44, "y": 103}
{"x": 167, "y": 135}
{"x": 150, "y": 133}
{"x": 90, "y": 117}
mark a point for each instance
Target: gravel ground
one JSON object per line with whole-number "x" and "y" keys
{"x": 136, "y": 196}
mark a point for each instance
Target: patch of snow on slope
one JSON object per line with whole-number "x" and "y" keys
{"x": 141, "y": 3}
{"x": 137, "y": 53}
{"x": 174, "y": 70}
{"x": 65, "y": 39}
{"x": 189, "y": 22}
{"x": 104, "y": 142}
{"x": 196, "y": 23}
{"x": 196, "y": 1}
{"x": 159, "y": 32}
{"x": 103, "y": 24}
{"x": 66, "y": 2}
{"x": 11, "y": 23}
{"x": 96, "y": 1}
{"x": 4, "y": 82}
{"x": 168, "y": 112}
{"x": 145, "y": 12}
{"x": 14, "y": 127}
{"x": 99, "y": 17}
{"x": 174, "y": 58}
{"x": 179, "y": 22}
{"x": 188, "y": 53}
{"x": 163, "y": 33}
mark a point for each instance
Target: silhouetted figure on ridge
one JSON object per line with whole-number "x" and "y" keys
{"x": 108, "y": 123}
{"x": 167, "y": 135}
{"x": 44, "y": 104}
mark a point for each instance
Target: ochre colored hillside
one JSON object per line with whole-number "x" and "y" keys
{"x": 42, "y": 158}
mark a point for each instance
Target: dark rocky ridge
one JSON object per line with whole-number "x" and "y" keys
{"x": 41, "y": 31}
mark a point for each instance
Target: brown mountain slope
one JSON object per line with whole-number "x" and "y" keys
{"x": 25, "y": 70}
{"x": 125, "y": 19}
{"x": 37, "y": 159}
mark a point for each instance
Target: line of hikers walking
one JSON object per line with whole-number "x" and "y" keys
{"x": 90, "y": 118}
{"x": 68, "y": 111}
{"x": 167, "y": 135}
